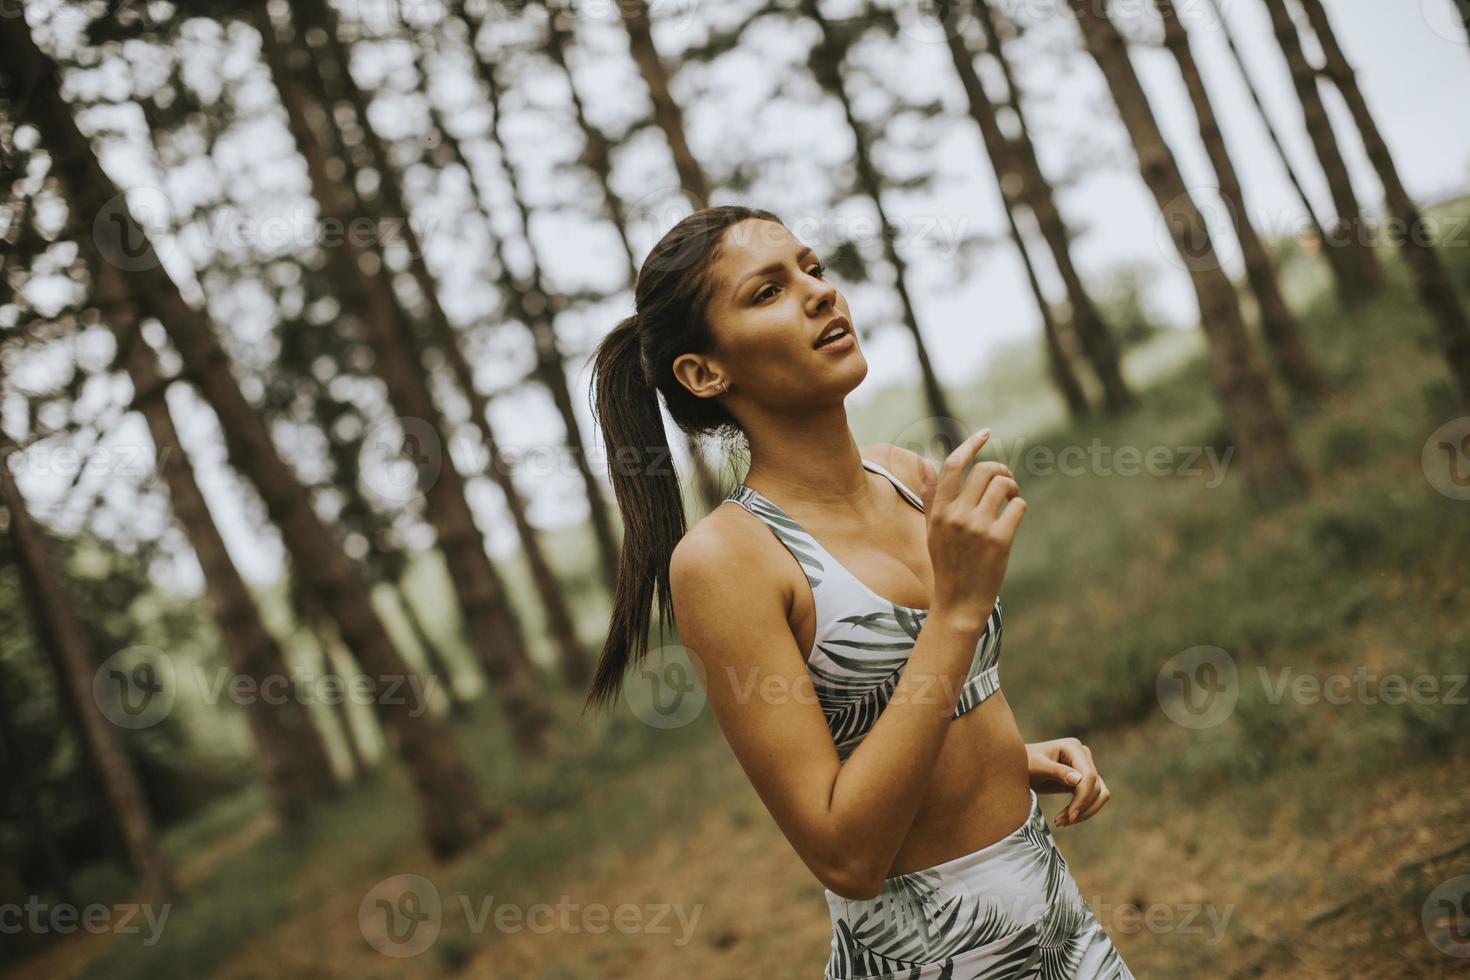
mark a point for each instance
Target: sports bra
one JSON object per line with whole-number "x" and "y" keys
{"x": 862, "y": 640}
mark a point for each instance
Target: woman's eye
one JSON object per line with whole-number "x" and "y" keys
{"x": 819, "y": 270}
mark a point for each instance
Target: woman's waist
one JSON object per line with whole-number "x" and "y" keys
{"x": 1003, "y": 868}
{"x": 979, "y": 791}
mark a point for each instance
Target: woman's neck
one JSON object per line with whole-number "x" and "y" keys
{"x": 811, "y": 462}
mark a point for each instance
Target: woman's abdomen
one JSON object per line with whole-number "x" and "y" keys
{"x": 979, "y": 791}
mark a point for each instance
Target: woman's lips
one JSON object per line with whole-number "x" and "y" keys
{"x": 843, "y": 343}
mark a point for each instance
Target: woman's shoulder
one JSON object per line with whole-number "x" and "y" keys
{"x": 724, "y": 542}
{"x": 903, "y": 463}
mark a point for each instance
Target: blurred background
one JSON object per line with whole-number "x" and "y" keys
{"x": 307, "y": 543}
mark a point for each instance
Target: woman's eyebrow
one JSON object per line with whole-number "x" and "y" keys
{"x": 766, "y": 270}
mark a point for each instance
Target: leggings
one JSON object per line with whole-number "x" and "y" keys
{"x": 1005, "y": 912}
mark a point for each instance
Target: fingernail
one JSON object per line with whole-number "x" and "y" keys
{"x": 1074, "y": 776}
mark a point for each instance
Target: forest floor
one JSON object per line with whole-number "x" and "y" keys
{"x": 1302, "y": 833}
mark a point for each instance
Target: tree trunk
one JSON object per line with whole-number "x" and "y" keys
{"x": 826, "y": 66}
{"x": 666, "y": 112}
{"x": 18, "y": 768}
{"x": 289, "y": 749}
{"x": 331, "y": 679}
{"x": 1436, "y": 290}
{"x": 539, "y": 307}
{"x": 446, "y": 338}
{"x": 1007, "y": 175}
{"x": 434, "y": 658}
{"x": 1259, "y": 431}
{"x": 1349, "y": 235}
{"x": 452, "y": 811}
{"x": 495, "y": 631}
{"x": 1093, "y": 331}
{"x": 1337, "y": 261}
{"x": 573, "y": 657}
{"x": 1279, "y": 326}
{"x": 597, "y": 157}
{"x": 57, "y": 626}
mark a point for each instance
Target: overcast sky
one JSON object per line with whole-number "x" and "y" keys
{"x": 1412, "y": 60}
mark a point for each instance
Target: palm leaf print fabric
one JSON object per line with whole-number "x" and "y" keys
{"x": 1009, "y": 910}
{"x": 862, "y": 640}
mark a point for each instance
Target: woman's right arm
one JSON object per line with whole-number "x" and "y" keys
{"x": 846, "y": 821}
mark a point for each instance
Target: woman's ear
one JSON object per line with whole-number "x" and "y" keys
{"x": 697, "y": 374}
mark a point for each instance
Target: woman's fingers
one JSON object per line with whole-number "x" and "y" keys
{"x": 949, "y": 483}
{"x": 1002, "y": 487}
{"x": 1097, "y": 802}
{"x": 1082, "y": 797}
{"x": 1088, "y": 788}
{"x": 979, "y": 481}
{"x": 1010, "y": 518}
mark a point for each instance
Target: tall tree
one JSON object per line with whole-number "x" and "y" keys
{"x": 1342, "y": 267}
{"x": 1436, "y": 290}
{"x": 445, "y": 337}
{"x": 826, "y": 61}
{"x": 1349, "y": 235}
{"x": 539, "y": 304}
{"x": 1293, "y": 360}
{"x": 666, "y": 112}
{"x": 1271, "y": 467}
{"x": 596, "y": 157}
{"x": 58, "y": 626}
{"x": 367, "y": 292}
{"x": 289, "y": 749}
{"x": 452, "y": 812}
{"x": 1008, "y": 178}
{"x": 574, "y": 660}
{"x": 1093, "y": 331}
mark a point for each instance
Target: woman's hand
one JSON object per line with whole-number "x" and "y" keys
{"x": 972, "y": 522}
{"x": 1064, "y": 765}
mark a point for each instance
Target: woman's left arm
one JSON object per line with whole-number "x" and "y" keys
{"x": 1065, "y": 765}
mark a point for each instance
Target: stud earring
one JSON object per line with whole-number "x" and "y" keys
{"x": 722, "y": 387}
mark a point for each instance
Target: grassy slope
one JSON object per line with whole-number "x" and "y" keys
{"x": 1280, "y": 813}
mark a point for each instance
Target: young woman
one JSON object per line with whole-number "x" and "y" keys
{"x": 858, "y": 684}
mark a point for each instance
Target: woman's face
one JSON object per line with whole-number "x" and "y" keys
{"x": 771, "y": 300}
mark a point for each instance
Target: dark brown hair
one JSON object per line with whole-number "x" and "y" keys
{"x": 630, "y": 367}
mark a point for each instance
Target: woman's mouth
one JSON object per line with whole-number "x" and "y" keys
{"x": 837, "y": 337}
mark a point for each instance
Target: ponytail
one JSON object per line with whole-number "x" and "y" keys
{"x": 630, "y": 367}
{"x": 647, "y": 490}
